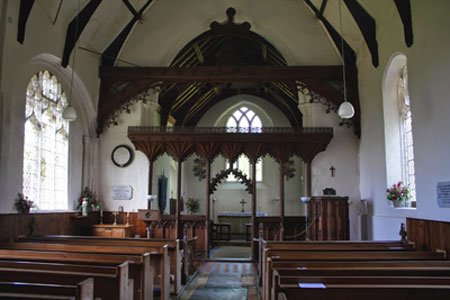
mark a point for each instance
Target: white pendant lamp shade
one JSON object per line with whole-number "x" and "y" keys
{"x": 346, "y": 110}
{"x": 69, "y": 113}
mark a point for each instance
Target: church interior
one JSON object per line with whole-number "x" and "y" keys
{"x": 224, "y": 149}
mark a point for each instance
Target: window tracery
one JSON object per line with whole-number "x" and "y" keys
{"x": 244, "y": 120}
{"x": 46, "y": 143}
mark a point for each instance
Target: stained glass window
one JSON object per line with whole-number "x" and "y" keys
{"x": 46, "y": 144}
{"x": 407, "y": 144}
{"x": 244, "y": 120}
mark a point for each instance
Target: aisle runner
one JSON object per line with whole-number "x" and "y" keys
{"x": 222, "y": 281}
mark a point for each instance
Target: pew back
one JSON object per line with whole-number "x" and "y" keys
{"x": 278, "y": 255}
{"x": 24, "y": 290}
{"x": 175, "y": 253}
{"x": 111, "y": 282}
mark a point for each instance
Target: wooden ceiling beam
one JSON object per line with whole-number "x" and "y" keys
{"x": 224, "y": 73}
{"x": 24, "y": 13}
{"x": 322, "y": 7}
{"x": 404, "y": 10}
{"x": 76, "y": 27}
{"x": 367, "y": 25}
{"x": 208, "y": 142}
{"x": 111, "y": 53}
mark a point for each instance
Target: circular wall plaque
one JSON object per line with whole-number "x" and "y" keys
{"x": 122, "y": 156}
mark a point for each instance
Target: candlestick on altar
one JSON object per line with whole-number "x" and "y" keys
{"x": 115, "y": 218}
{"x": 128, "y": 218}
{"x": 101, "y": 216}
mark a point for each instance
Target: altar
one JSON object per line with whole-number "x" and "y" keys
{"x": 237, "y": 221}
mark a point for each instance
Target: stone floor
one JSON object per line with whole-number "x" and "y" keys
{"x": 223, "y": 281}
{"x": 230, "y": 252}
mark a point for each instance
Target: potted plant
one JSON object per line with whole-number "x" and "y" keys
{"x": 192, "y": 204}
{"x": 399, "y": 193}
{"x": 23, "y": 204}
{"x": 87, "y": 201}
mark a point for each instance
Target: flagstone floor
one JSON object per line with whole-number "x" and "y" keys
{"x": 223, "y": 281}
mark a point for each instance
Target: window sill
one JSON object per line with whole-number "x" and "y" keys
{"x": 59, "y": 211}
{"x": 404, "y": 208}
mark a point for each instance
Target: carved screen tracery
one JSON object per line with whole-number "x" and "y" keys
{"x": 244, "y": 120}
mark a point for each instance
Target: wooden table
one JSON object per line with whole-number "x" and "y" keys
{"x": 111, "y": 230}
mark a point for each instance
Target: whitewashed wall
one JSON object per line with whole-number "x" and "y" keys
{"x": 41, "y": 50}
{"x": 342, "y": 154}
{"x": 428, "y": 65}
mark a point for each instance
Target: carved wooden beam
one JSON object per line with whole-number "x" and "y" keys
{"x": 224, "y": 73}
{"x": 119, "y": 85}
{"x": 255, "y": 151}
{"x": 207, "y": 150}
{"x": 281, "y": 143}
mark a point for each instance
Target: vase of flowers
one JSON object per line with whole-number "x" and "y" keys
{"x": 22, "y": 204}
{"x": 192, "y": 205}
{"x": 398, "y": 193}
{"x": 87, "y": 202}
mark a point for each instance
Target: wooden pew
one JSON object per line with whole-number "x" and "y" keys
{"x": 23, "y": 290}
{"x": 161, "y": 263}
{"x": 329, "y": 246}
{"x": 367, "y": 287}
{"x": 349, "y": 270}
{"x": 140, "y": 266}
{"x": 272, "y": 256}
{"x": 111, "y": 282}
{"x": 178, "y": 257}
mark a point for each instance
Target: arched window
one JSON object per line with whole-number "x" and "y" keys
{"x": 398, "y": 124}
{"x": 46, "y": 143}
{"x": 406, "y": 135}
{"x": 244, "y": 119}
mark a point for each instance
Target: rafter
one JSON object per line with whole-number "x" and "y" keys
{"x": 24, "y": 13}
{"x": 322, "y": 7}
{"x": 367, "y": 25}
{"x": 404, "y": 10}
{"x": 224, "y": 73}
{"x": 109, "y": 56}
{"x": 76, "y": 27}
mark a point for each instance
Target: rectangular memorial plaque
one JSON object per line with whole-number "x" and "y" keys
{"x": 443, "y": 194}
{"x": 122, "y": 192}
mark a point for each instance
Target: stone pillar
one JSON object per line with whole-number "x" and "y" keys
{"x": 150, "y": 117}
{"x": 150, "y": 108}
{"x": 90, "y": 163}
{"x": 313, "y": 113}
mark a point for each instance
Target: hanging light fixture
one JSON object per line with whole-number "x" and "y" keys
{"x": 346, "y": 110}
{"x": 69, "y": 113}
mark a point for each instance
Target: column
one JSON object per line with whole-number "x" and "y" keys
{"x": 90, "y": 163}
{"x": 150, "y": 108}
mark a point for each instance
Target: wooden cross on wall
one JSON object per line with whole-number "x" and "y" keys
{"x": 332, "y": 169}
{"x": 243, "y": 203}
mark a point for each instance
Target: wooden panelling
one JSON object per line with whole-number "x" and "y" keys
{"x": 329, "y": 217}
{"x": 428, "y": 234}
{"x": 12, "y": 225}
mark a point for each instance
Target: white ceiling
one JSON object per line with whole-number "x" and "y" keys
{"x": 167, "y": 26}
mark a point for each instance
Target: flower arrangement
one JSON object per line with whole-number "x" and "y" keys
{"x": 91, "y": 199}
{"x": 192, "y": 204}
{"x": 23, "y": 204}
{"x": 398, "y": 192}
